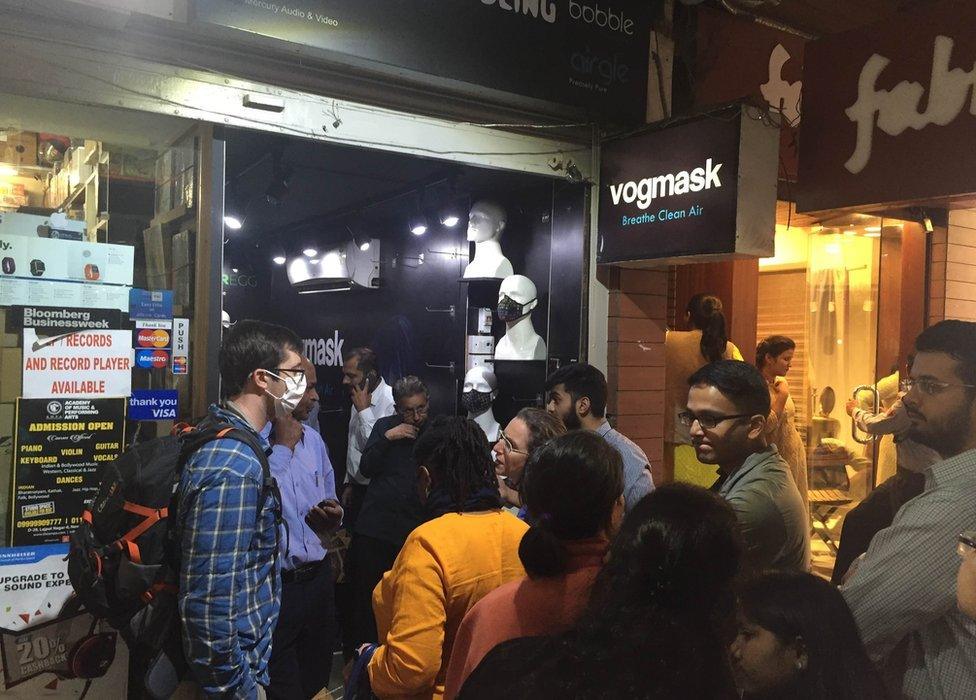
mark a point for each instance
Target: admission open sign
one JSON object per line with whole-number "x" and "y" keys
{"x": 59, "y": 449}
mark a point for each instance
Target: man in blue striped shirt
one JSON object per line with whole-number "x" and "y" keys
{"x": 230, "y": 584}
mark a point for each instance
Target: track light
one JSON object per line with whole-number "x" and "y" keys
{"x": 418, "y": 224}
{"x": 310, "y": 252}
{"x": 450, "y": 217}
{"x": 232, "y": 222}
{"x": 278, "y": 260}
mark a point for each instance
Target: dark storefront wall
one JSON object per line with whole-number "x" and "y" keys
{"x": 406, "y": 320}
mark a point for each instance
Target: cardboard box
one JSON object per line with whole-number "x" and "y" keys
{"x": 11, "y": 371}
{"x": 19, "y": 147}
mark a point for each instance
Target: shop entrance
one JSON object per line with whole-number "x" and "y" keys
{"x": 850, "y": 292}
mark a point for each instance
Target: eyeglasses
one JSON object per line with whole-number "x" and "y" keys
{"x": 509, "y": 445}
{"x": 299, "y": 371}
{"x": 966, "y": 543}
{"x": 931, "y": 387}
{"x": 415, "y": 412}
{"x": 687, "y": 418}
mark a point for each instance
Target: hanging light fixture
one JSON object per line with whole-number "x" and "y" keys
{"x": 279, "y": 260}
{"x": 418, "y": 224}
{"x": 450, "y": 216}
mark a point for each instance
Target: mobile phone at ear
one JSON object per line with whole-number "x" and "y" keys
{"x": 370, "y": 381}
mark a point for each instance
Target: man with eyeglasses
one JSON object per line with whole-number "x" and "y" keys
{"x": 728, "y": 402}
{"x": 227, "y": 518}
{"x": 391, "y": 508}
{"x": 304, "y": 640}
{"x": 902, "y": 592}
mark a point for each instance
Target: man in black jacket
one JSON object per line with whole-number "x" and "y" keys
{"x": 392, "y": 508}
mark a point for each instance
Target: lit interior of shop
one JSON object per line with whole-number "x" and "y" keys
{"x": 850, "y": 292}
{"x": 353, "y": 246}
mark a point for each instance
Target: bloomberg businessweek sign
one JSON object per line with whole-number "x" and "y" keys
{"x": 584, "y": 53}
{"x": 703, "y": 187}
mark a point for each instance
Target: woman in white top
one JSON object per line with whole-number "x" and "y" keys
{"x": 773, "y": 358}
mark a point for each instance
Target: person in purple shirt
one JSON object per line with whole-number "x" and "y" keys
{"x": 304, "y": 640}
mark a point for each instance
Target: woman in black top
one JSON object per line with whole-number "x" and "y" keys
{"x": 659, "y": 620}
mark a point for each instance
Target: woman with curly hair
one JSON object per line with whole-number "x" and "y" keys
{"x": 467, "y": 548}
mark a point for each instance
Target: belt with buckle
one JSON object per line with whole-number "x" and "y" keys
{"x": 306, "y": 572}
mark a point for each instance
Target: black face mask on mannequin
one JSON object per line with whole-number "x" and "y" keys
{"x": 476, "y": 402}
{"x": 510, "y": 310}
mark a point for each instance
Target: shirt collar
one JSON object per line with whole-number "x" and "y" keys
{"x": 955, "y": 468}
{"x": 604, "y": 428}
{"x": 232, "y": 415}
{"x": 752, "y": 462}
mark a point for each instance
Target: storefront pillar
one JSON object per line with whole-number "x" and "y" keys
{"x": 952, "y": 269}
{"x": 637, "y": 322}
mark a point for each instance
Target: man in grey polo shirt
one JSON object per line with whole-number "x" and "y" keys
{"x": 728, "y": 402}
{"x": 577, "y": 394}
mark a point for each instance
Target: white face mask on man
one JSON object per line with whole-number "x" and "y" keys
{"x": 295, "y": 387}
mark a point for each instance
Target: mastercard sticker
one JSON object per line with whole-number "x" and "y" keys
{"x": 152, "y": 338}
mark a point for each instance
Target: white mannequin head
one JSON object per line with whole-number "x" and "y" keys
{"x": 486, "y": 221}
{"x": 481, "y": 379}
{"x": 521, "y": 290}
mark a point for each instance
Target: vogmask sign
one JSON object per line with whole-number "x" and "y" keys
{"x": 645, "y": 191}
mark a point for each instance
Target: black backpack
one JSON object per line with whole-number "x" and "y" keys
{"x": 123, "y": 560}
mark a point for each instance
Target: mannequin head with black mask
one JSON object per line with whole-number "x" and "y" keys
{"x": 261, "y": 371}
{"x": 577, "y": 393}
{"x": 479, "y": 391}
{"x": 517, "y": 297}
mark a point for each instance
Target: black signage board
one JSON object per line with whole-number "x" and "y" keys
{"x": 670, "y": 192}
{"x": 590, "y": 54}
{"x": 60, "y": 446}
{"x": 54, "y": 321}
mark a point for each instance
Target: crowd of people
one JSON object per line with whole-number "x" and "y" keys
{"x": 549, "y": 564}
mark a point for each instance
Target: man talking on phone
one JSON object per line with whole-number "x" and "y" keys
{"x": 372, "y": 399}
{"x": 304, "y": 640}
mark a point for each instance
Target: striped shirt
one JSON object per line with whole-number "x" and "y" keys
{"x": 903, "y": 592}
{"x": 229, "y": 574}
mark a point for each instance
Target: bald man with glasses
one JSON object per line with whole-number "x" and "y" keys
{"x": 728, "y": 402}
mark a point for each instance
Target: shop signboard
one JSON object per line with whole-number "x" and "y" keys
{"x": 702, "y": 187}
{"x": 156, "y": 304}
{"x": 37, "y": 635}
{"x": 889, "y": 112}
{"x": 53, "y": 321}
{"x": 59, "y": 448}
{"x": 584, "y": 53}
{"x": 83, "y": 364}
{"x": 153, "y": 404}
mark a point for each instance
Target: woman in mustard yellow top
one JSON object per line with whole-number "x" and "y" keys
{"x": 467, "y": 549}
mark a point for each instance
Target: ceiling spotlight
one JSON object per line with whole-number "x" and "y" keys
{"x": 450, "y": 217}
{"x": 232, "y": 222}
{"x": 362, "y": 242}
{"x": 278, "y": 260}
{"x": 310, "y": 252}
{"x": 418, "y": 224}
{"x": 364, "y": 246}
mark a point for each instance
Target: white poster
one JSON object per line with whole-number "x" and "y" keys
{"x": 59, "y": 259}
{"x": 38, "y": 635}
{"x": 86, "y": 364}
{"x": 15, "y": 291}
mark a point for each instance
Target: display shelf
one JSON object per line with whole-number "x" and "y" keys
{"x": 79, "y": 188}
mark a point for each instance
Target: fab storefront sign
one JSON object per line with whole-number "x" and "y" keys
{"x": 59, "y": 448}
{"x": 889, "y": 120}
{"x": 702, "y": 187}
{"x": 83, "y": 364}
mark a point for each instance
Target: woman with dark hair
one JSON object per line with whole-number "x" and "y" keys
{"x": 685, "y": 353}
{"x": 659, "y": 621}
{"x": 774, "y": 356}
{"x": 573, "y": 490}
{"x": 467, "y": 548}
{"x": 797, "y": 639}
{"x": 529, "y": 430}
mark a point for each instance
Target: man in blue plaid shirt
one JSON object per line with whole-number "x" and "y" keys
{"x": 230, "y": 584}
